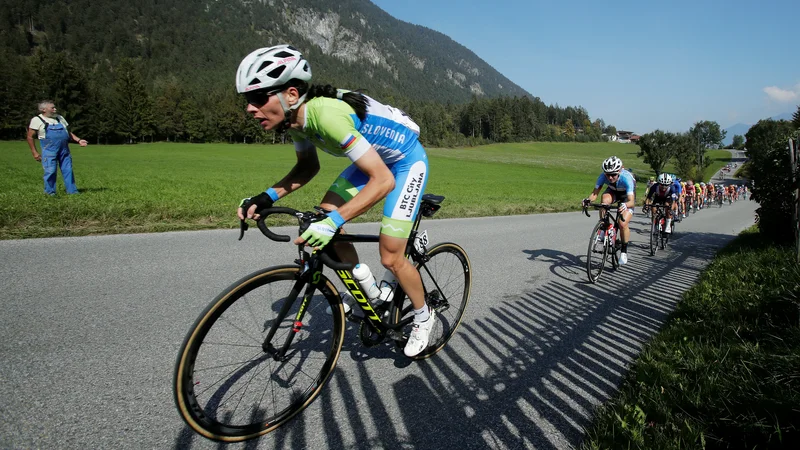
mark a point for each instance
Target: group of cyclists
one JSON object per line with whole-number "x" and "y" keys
{"x": 389, "y": 163}
{"x": 679, "y": 196}
{"x": 696, "y": 196}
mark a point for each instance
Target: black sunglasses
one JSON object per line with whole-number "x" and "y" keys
{"x": 258, "y": 98}
{"x": 612, "y": 175}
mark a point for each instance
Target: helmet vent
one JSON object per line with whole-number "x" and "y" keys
{"x": 262, "y": 66}
{"x": 255, "y": 81}
{"x": 276, "y": 72}
{"x": 283, "y": 55}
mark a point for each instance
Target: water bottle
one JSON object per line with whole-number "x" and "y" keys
{"x": 387, "y": 286}
{"x": 612, "y": 236}
{"x": 366, "y": 281}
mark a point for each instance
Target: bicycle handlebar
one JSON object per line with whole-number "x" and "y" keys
{"x": 304, "y": 218}
{"x": 262, "y": 225}
{"x": 601, "y": 206}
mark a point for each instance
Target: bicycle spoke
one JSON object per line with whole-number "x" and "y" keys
{"x": 230, "y": 385}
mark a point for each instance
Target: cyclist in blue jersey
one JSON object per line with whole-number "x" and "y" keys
{"x": 388, "y": 162}
{"x": 621, "y": 188}
{"x": 677, "y": 187}
{"x": 665, "y": 192}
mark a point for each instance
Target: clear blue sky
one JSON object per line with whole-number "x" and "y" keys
{"x": 638, "y": 65}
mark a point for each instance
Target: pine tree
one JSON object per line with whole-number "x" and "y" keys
{"x": 133, "y": 112}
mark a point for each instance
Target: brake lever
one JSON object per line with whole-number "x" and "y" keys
{"x": 243, "y": 226}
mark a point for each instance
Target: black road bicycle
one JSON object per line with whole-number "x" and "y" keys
{"x": 659, "y": 238}
{"x": 603, "y": 242}
{"x": 265, "y": 347}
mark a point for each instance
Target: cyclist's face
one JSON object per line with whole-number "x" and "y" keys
{"x": 612, "y": 177}
{"x": 266, "y": 107}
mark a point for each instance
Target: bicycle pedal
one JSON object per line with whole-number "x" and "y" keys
{"x": 352, "y": 317}
{"x": 396, "y": 335}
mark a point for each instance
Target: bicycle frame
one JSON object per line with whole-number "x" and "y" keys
{"x": 311, "y": 277}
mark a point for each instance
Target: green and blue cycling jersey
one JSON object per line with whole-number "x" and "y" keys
{"x": 332, "y": 126}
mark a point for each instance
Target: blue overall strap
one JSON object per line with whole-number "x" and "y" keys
{"x": 46, "y": 124}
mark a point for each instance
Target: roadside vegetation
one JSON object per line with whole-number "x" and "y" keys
{"x": 169, "y": 186}
{"x": 724, "y": 372}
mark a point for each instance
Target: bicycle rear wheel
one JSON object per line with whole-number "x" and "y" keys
{"x": 447, "y": 280}
{"x": 230, "y": 384}
{"x": 597, "y": 254}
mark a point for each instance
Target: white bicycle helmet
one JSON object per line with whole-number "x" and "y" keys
{"x": 665, "y": 179}
{"x": 612, "y": 165}
{"x": 271, "y": 68}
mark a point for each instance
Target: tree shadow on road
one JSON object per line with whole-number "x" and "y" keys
{"x": 528, "y": 371}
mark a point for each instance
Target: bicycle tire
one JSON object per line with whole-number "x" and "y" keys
{"x": 592, "y": 254}
{"x": 614, "y": 259}
{"x": 446, "y": 291}
{"x": 222, "y": 356}
{"x": 654, "y": 236}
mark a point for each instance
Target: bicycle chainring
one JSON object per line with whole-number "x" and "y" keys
{"x": 368, "y": 336}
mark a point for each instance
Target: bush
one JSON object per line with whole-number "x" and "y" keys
{"x": 773, "y": 181}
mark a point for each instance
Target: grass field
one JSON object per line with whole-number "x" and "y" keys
{"x": 724, "y": 371}
{"x": 167, "y": 186}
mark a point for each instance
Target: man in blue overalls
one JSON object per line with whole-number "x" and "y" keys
{"x": 54, "y": 140}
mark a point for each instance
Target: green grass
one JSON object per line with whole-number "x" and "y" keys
{"x": 724, "y": 372}
{"x": 167, "y": 186}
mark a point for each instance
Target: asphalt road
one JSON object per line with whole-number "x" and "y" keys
{"x": 91, "y": 327}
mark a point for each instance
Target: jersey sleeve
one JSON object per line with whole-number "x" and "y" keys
{"x": 301, "y": 143}
{"x": 601, "y": 180}
{"x": 337, "y": 126}
{"x": 629, "y": 184}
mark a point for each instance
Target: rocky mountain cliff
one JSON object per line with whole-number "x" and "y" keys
{"x": 351, "y": 43}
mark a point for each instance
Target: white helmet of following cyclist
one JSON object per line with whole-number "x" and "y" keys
{"x": 271, "y": 68}
{"x": 612, "y": 165}
{"x": 665, "y": 179}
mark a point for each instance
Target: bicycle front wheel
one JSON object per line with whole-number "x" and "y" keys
{"x": 447, "y": 280}
{"x": 654, "y": 236}
{"x": 597, "y": 254}
{"x": 258, "y": 355}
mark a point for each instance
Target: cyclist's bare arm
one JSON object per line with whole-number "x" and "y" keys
{"x": 593, "y": 196}
{"x": 304, "y": 170}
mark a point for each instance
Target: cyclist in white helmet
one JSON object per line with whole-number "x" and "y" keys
{"x": 665, "y": 192}
{"x": 621, "y": 188}
{"x": 382, "y": 143}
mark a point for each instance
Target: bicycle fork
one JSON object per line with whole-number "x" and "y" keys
{"x": 266, "y": 346}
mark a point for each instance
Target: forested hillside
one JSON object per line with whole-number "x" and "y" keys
{"x": 146, "y": 70}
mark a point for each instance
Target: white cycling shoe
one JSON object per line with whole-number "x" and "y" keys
{"x": 623, "y": 258}
{"x": 420, "y": 334}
